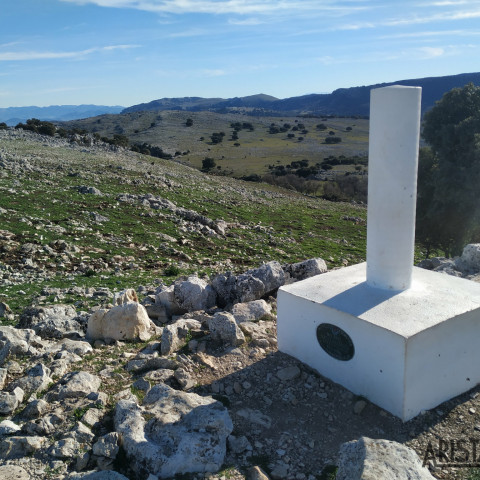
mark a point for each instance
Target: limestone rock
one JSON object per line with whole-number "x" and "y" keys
{"x": 78, "y": 347}
{"x": 7, "y": 427}
{"x": 173, "y": 432}
{"x": 35, "y": 409}
{"x": 184, "y": 379}
{"x": 261, "y": 332}
{"x": 89, "y": 190}
{"x": 107, "y": 446}
{"x": 20, "y": 446}
{"x": 16, "y": 341}
{"x": 37, "y": 379}
{"x": 295, "y": 272}
{"x": 288, "y": 373}
{"x": 367, "y": 459}
{"x": 165, "y": 297}
{"x": 194, "y": 294}
{"x": 128, "y": 321}
{"x": 248, "y": 286}
{"x": 144, "y": 363}
{"x": 125, "y": 296}
{"x": 75, "y": 385}
{"x": 13, "y": 472}
{"x": 223, "y": 327}
{"x": 469, "y": 261}
{"x": 173, "y": 336}
{"x": 250, "y": 311}
{"x": 9, "y": 402}
{"x": 256, "y": 473}
{"x": 56, "y": 321}
{"x": 271, "y": 275}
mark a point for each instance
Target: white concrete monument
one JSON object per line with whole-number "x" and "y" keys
{"x": 403, "y": 337}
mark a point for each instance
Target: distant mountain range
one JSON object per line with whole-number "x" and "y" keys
{"x": 13, "y": 115}
{"x": 353, "y": 101}
{"x": 343, "y": 101}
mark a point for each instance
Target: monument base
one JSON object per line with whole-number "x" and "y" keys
{"x": 405, "y": 351}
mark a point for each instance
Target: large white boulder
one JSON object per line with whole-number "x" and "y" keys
{"x": 173, "y": 432}
{"x": 128, "y": 321}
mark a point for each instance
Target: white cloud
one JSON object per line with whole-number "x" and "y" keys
{"x": 431, "y": 52}
{"x": 194, "y": 32}
{"x": 434, "y": 33}
{"x": 247, "y": 22}
{"x": 229, "y": 7}
{"x": 35, "y": 55}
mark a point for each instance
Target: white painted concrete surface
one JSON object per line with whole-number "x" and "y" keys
{"x": 413, "y": 349}
{"x": 392, "y": 185}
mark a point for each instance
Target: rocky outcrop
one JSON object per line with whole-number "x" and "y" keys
{"x": 249, "y": 286}
{"x": 465, "y": 266}
{"x": 173, "y": 432}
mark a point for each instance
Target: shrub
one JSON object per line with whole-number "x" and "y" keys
{"x": 332, "y": 140}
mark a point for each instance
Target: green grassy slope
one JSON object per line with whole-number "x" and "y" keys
{"x": 40, "y": 205}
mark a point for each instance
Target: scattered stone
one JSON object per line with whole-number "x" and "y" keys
{"x": 7, "y": 427}
{"x": 255, "y": 416}
{"x": 9, "y": 402}
{"x": 256, "y": 473}
{"x": 35, "y": 409}
{"x": 16, "y": 341}
{"x": 173, "y": 432}
{"x": 366, "y": 458}
{"x": 251, "y": 311}
{"x": 194, "y": 294}
{"x": 288, "y": 373}
{"x": 184, "y": 379}
{"x": 359, "y": 407}
{"x": 13, "y": 472}
{"x": 174, "y": 335}
{"x": 223, "y": 327}
{"x": 238, "y": 444}
{"x": 89, "y": 190}
{"x": 56, "y": 321}
{"x": 107, "y": 446}
{"x": 280, "y": 472}
{"x": 75, "y": 385}
{"x": 295, "y": 272}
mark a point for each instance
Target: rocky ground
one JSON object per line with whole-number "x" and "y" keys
{"x": 83, "y": 390}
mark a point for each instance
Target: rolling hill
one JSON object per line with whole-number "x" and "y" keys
{"x": 353, "y": 101}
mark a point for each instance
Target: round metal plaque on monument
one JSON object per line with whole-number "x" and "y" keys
{"x": 335, "y": 341}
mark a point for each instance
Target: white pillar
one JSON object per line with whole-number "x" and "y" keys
{"x": 392, "y": 185}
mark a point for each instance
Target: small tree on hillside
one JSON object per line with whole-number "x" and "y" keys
{"x": 208, "y": 163}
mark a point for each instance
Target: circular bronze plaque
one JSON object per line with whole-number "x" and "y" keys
{"x": 335, "y": 342}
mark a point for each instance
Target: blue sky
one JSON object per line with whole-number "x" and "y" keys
{"x": 124, "y": 52}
